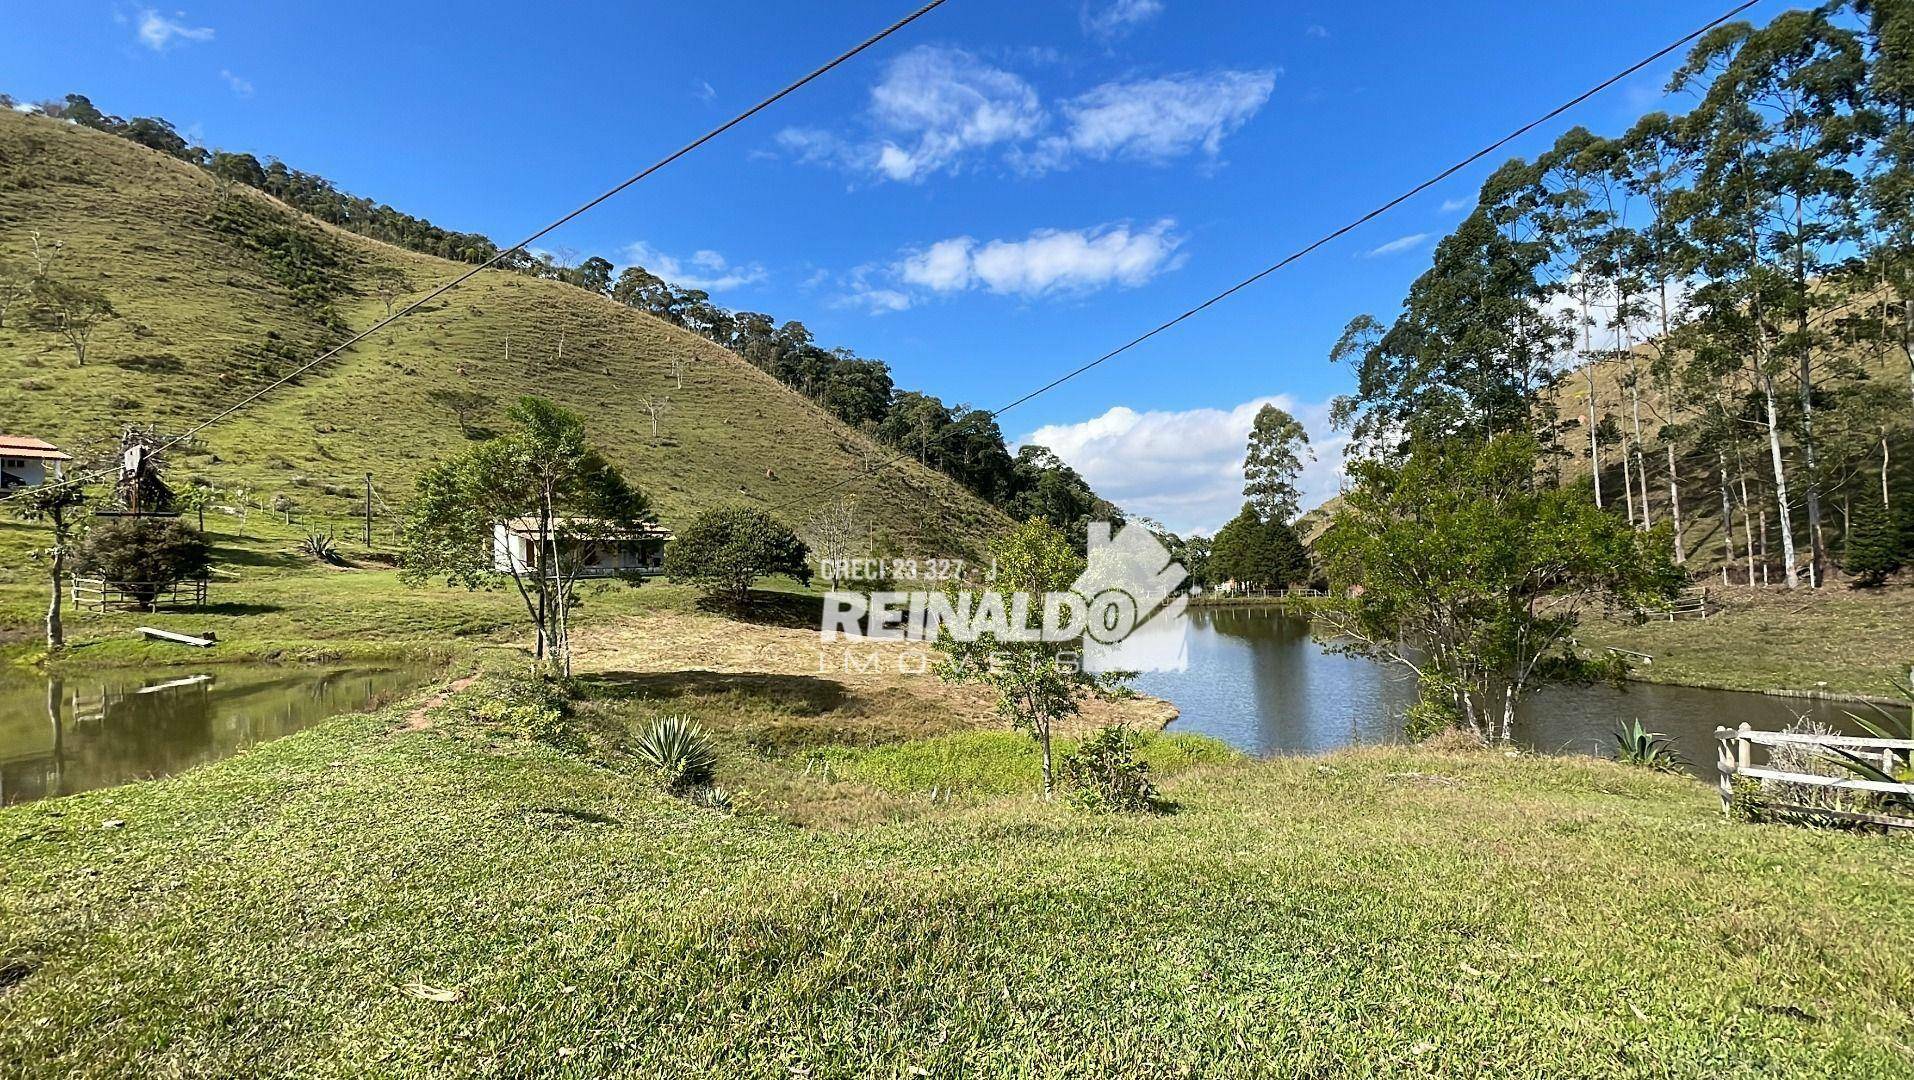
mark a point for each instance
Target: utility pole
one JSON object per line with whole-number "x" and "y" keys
{"x": 368, "y": 509}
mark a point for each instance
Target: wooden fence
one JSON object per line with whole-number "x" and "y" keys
{"x": 1735, "y": 757}
{"x": 100, "y": 594}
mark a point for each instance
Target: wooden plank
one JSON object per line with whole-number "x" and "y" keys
{"x": 183, "y": 639}
{"x": 1793, "y": 738}
{"x": 1813, "y": 780}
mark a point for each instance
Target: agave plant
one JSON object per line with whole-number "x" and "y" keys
{"x": 1637, "y": 745}
{"x": 321, "y": 546}
{"x": 680, "y": 751}
{"x": 711, "y": 797}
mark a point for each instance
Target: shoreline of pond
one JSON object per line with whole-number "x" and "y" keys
{"x": 1294, "y": 608}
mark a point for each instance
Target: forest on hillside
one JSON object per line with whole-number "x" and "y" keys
{"x": 962, "y": 441}
{"x": 1727, "y": 293}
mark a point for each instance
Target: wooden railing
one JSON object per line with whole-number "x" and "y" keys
{"x": 100, "y": 594}
{"x": 1735, "y": 757}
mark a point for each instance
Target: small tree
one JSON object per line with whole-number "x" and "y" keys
{"x": 726, "y": 550}
{"x": 142, "y": 556}
{"x": 388, "y": 284}
{"x": 194, "y": 498}
{"x": 1037, "y": 682}
{"x": 1873, "y": 550}
{"x": 544, "y": 471}
{"x": 72, "y": 311}
{"x": 836, "y": 532}
{"x": 59, "y": 505}
{"x": 1458, "y": 564}
{"x": 462, "y": 404}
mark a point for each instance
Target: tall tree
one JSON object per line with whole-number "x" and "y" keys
{"x": 1278, "y": 444}
{"x": 1781, "y": 125}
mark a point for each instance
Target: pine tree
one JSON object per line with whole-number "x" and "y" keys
{"x": 1873, "y": 550}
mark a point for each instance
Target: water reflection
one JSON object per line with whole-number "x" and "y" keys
{"x": 59, "y": 735}
{"x": 1258, "y": 681}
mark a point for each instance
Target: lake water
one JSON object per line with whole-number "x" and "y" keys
{"x": 1260, "y": 682}
{"x": 62, "y": 734}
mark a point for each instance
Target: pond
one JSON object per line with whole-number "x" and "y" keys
{"x": 63, "y": 734}
{"x": 1260, "y": 682}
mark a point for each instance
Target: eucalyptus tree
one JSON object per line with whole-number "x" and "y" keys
{"x": 1277, "y": 445}
{"x": 1782, "y": 125}
{"x": 1473, "y": 352}
{"x": 1657, "y": 160}
{"x": 1890, "y": 186}
{"x": 1581, "y": 221}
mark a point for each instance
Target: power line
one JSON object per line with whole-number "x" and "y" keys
{"x": 1315, "y": 244}
{"x": 788, "y": 90}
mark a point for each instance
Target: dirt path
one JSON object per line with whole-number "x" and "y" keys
{"x": 419, "y": 719}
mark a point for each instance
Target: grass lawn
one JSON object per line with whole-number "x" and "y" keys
{"x": 1837, "y": 640}
{"x": 371, "y": 898}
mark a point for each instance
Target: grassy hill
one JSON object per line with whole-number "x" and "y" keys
{"x": 220, "y": 289}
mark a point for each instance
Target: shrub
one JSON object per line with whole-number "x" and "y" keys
{"x": 679, "y": 751}
{"x": 534, "y": 707}
{"x": 727, "y": 550}
{"x": 141, "y": 556}
{"x": 1103, "y": 774}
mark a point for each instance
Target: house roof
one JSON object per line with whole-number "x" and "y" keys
{"x": 27, "y": 446}
{"x": 591, "y": 529}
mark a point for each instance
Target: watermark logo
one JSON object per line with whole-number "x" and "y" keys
{"x": 1125, "y": 612}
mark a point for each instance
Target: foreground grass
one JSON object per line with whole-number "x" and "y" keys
{"x": 364, "y": 898}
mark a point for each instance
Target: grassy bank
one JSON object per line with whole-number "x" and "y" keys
{"x": 383, "y": 896}
{"x": 1839, "y": 641}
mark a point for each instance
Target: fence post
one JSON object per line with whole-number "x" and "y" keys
{"x": 1744, "y": 748}
{"x": 1725, "y": 768}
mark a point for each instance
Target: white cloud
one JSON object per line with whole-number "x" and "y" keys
{"x": 1317, "y": 30}
{"x": 1451, "y": 206}
{"x": 938, "y": 110}
{"x": 1047, "y": 261}
{"x": 242, "y": 87}
{"x": 706, "y": 269}
{"x": 704, "y": 91}
{"x": 1186, "y": 468}
{"x": 157, "y": 31}
{"x": 1157, "y": 119}
{"x": 1397, "y": 246}
{"x": 935, "y": 105}
{"x": 1118, "y": 17}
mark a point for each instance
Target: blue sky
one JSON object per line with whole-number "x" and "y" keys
{"x": 994, "y": 196}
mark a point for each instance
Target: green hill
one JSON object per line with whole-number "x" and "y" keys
{"x": 219, "y": 289}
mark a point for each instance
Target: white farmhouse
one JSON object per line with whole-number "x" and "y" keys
{"x": 29, "y": 462}
{"x": 597, "y": 548}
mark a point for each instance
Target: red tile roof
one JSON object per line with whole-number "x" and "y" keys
{"x": 27, "y": 446}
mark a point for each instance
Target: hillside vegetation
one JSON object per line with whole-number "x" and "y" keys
{"x": 219, "y": 289}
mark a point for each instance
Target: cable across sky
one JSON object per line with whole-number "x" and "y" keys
{"x": 1313, "y": 245}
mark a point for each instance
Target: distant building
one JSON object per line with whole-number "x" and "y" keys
{"x": 30, "y": 462}
{"x": 598, "y": 548}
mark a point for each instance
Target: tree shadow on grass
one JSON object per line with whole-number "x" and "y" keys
{"x": 802, "y": 695}
{"x": 234, "y": 607}
{"x": 792, "y": 611}
{"x": 239, "y": 556}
